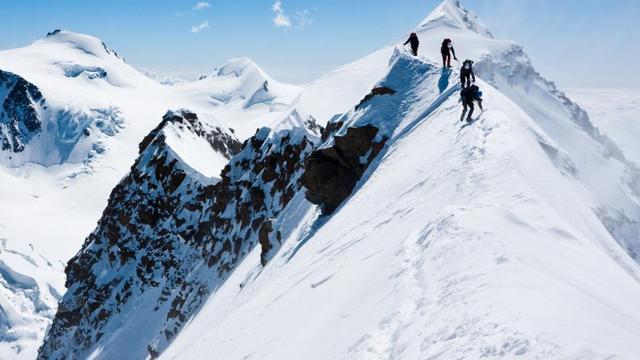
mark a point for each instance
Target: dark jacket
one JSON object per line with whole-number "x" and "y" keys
{"x": 467, "y": 73}
{"x": 471, "y": 93}
{"x": 413, "y": 39}
{"x": 444, "y": 49}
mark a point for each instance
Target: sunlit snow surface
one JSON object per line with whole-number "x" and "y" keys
{"x": 508, "y": 238}
{"x": 460, "y": 242}
{"x": 54, "y": 191}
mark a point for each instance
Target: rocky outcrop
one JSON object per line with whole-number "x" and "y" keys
{"x": 168, "y": 239}
{"x": 381, "y": 90}
{"x": 332, "y": 172}
{"x": 20, "y": 105}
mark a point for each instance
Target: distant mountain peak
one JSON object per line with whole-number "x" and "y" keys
{"x": 85, "y": 43}
{"x": 453, "y": 14}
{"x": 238, "y": 67}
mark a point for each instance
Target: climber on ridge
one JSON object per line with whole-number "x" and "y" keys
{"x": 447, "y": 50}
{"x": 468, "y": 95}
{"x": 467, "y": 77}
{"x": 413, "y": 39}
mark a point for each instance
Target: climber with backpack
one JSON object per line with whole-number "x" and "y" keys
{"x": 447, "y": 50}
{"x": 413, "y": 39}
{"x": 467, "y": 77}
{"x": 467, "y": 96}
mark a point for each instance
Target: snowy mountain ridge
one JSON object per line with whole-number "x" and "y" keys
{"x": 399, "y": 233}
{"x": 472, "y": 252}
{"x": 456, "y": 242}
{"x": 168, "y": 239}
{"x": 72, "y": 113}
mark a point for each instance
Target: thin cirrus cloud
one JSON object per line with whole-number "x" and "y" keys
{"x": 301, "y": 19}
{"x": 198, "y": 28}
{"x": 201, "y": 5}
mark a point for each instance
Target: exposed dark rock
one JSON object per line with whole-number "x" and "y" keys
{"x": 382, "y": 90}
{"x": 330, "y": 130}
{"x": 312, "y": 125}
{"x": 266, "y": 245}
{"x": 170, "y": 238}
{"x": 19, "y": 121}
{"x": 219, "y": 140}
{"x": 332, "y": 172}
{"x": 51, "y": 33}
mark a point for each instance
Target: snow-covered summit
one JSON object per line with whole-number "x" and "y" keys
{"x": 451, "y": 13}
{"x": 241, "y": 81}
{"x": 241, "y": 92}
{"x": 240, "y": 67}
{"x": 67, "y": 58}
{"x": 82, "y": 42}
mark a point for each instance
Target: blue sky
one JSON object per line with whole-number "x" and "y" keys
{"x": 577, "y": 43}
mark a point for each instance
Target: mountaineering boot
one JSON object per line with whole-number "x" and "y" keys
{"x": 464, "y": 112}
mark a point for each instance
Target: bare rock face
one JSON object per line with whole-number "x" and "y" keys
{"x": 380, "y": 90}
{"x": 168, "y": 239}
{"x": 332, "y": 172}
{"x": 20, "y": 104}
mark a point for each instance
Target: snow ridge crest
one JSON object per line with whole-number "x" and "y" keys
{"x": 453, "y": 14}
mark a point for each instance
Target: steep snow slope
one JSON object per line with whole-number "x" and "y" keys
{"x": 91, "y": 109}
{"x": 599, "y": 163}
{"x": 615, "y": 112}
{"x": 459, "y": 242}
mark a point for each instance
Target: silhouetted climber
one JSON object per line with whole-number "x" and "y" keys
{"x": 413, "y": 39}
{"x": 447, "y": 50}
{"x": 468, "y": 95}
{"x": 467, "y": 77}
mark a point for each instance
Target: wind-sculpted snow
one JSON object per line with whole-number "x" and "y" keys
{"x": 169, "y": 237}
{"x": 21, "y": 104}
{"x": 597, "y": 162}
{"x": 356, "y": 138}
{"x": 458, "y": 241}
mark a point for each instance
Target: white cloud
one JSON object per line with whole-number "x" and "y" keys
{"x": 281, "y": 19}
{"x": 197, "y": 28}
{"x": 202, "y": 5}
{"x": 302, "y": 19}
